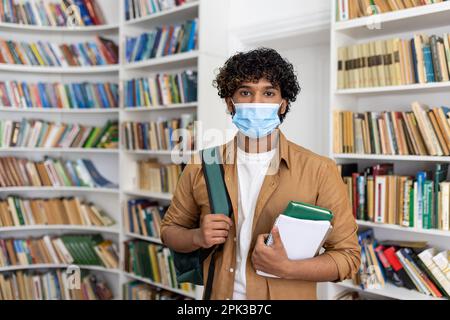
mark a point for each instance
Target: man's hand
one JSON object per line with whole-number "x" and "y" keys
{"x": 271, "y": 259}
{"x": 213, "y": 230}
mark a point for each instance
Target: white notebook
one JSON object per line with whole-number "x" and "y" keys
{"x": 302, "y": 239}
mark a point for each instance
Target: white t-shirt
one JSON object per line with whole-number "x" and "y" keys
{"x": 251, "y": 170}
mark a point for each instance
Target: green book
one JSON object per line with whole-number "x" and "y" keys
{"x": 19, "y": 211}
{"x": 92, "y": 137}
{"x": 305, "y": 211}
{"x": 427, "y": 204}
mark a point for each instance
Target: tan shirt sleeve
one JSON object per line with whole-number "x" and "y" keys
{"x": 183, "y": 210}
{"x": 342, "y": 243}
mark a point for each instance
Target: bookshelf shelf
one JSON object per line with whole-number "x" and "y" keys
{"x": 35, "y": 28}
{"x": 390, "y": 157}
{"x": 141, "y": 237}
{"x": 172, "y": 61}
{"x": 148, "y": 194}
{"x": 158, "y": 152}
{"x": 423, "y": 17}
{"x": 57, "y": 266}
{"x": 181, "y": 13}
{"x": 433, "y": 232}
{"x": 58, "y": 189}
{"x": 429, "y": 87}
{"x": 148, "y": 281}
{"x": 428, "y": 19}
{"x": 111, "y": 230}
{"x": 57, "y": 110}
{"x": 61, "y": 150}
{"x": 162, "y": 108}
{"x": 390, "y": 291}
{"x": 59, "y": 70}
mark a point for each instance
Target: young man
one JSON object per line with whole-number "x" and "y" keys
{"x": 263, "y": 171}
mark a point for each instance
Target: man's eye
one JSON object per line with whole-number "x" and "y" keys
{"x": 245, "y": 93}
{"x": 270, "y": 94}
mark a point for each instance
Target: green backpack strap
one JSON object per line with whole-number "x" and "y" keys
{"x": 212, "y": 167}
{"x": 219, "y": 202}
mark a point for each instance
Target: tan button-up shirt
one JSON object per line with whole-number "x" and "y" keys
{"x": 300, "y": 175}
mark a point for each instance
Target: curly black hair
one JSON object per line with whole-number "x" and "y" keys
{"x": 254, "y": 65}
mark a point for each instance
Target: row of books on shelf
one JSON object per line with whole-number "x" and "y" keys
{"x": 422, "y": 131}
{"x": 160, "y": 135}
{"x": 152, "y": 262}
{"x": 51, "y": 285}
{"x": 90, "y": 250}
{"x": 378, "y": 195}
{"x": 58, "y": 95}
{"x": 143, "y": 217}
{"x": 140, "y": 8}
{"x": 55, "y": 13}
{"x": 137, "y": 290}
{"x": 394, "y": 62}
{"x": 158, "y": 177}
{"x": 34, "y": 133}
{"x": 51, "y": 172}
{"x": 161, "y": 89}
{"x": 162, "y": 41}
{"x": 18, "y": 211}
{"x": 412, "y": 265}
{"x": 102, "y": 51}
{"x": 352, "y": 9}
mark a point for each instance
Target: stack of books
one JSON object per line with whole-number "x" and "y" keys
{"x": 55, "y": 13}
{"x": 102, "y": 51}
{"x": 351, "y": 9}
{"x": 66, "y": 249}
{"x": 163, "y": 134}
{"x": 153, "y": 262}
{"x": 162, "y": 41}
{"x": 157, "y": 177}
{"x": 41, "y": 134}
{"x": 58, "y": 95}
{"x": 136, "y": 290}
{"x": 394, "y": 62}
{"x": 421, "y": 201}
{"x": 140, "y": 8}
{"x": 17, "y": 211}
{"x": 51, "y": 285}
{"x": 422, "y": 131}
{"x": 143, "y": 217}
{"x": 405, "y": 264}
{"x": 19, "y": 172}
{"x": 161, "y": 89}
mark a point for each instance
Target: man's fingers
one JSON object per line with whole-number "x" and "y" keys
{"x": 219, "y": 233}
{"x": 221, "y": 217}
{"x": 261, "y": 238}
{"x": 219, "y": 225}
{"x": 218, "y": 240}
{"x": 276, "y": 236}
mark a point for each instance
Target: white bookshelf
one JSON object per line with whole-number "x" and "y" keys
{"x": 211, "y": 53}
{"x": 106, "y": 160}
{"x": 430, "y": 19}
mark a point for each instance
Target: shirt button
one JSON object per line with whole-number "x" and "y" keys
{"x": 234, "y": 239}
{"x": 231, "y": 270}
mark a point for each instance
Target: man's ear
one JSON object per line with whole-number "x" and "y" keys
{"x": 283, "y": 107}
{"x": 230, "y": 106}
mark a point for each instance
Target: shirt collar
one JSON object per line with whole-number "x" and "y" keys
{"x": 230, "y": 147}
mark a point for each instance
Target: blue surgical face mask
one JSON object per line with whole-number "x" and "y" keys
{"x": 256, "y": 120}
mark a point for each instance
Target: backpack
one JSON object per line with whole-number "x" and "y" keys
{"x": 189, "y": 266}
